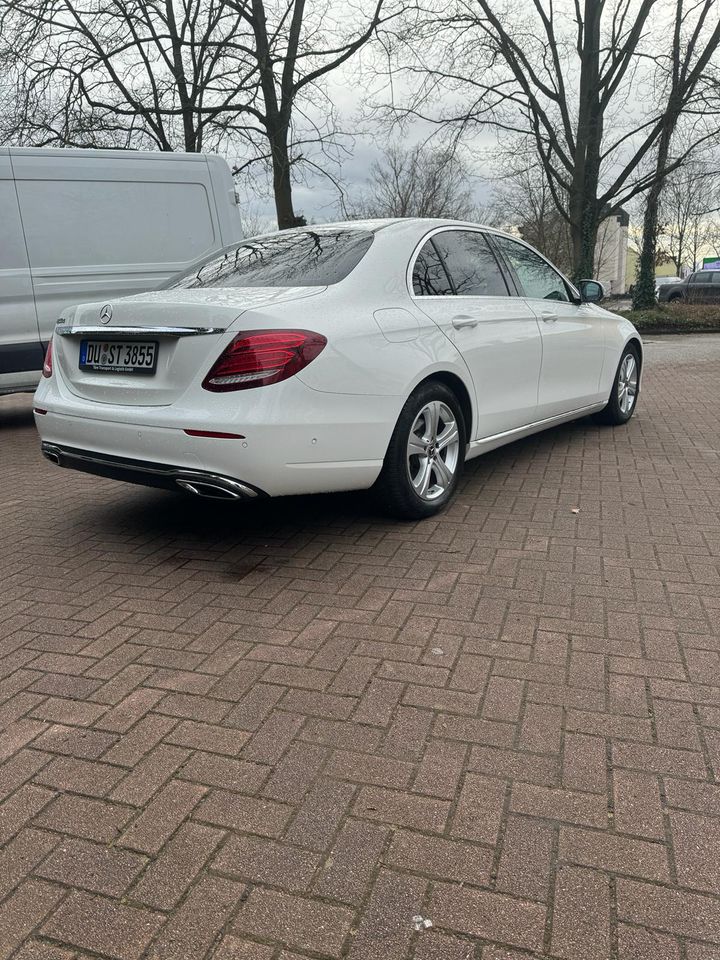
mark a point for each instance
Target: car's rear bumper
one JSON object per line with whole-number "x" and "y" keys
{"x": 324, "y": 454}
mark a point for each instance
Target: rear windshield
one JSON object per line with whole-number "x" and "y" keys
{"x": 306, "y": 258}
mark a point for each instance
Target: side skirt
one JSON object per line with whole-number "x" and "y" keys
{"x": 478, "y": 447}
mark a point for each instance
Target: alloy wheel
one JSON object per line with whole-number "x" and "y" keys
{"x": 433, "y": 450}
{"x": 627, "y": 384}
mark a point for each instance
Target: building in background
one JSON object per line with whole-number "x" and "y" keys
{"x": 611, "y": 254}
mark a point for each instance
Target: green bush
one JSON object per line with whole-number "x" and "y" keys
{"x": 676, "y": 318}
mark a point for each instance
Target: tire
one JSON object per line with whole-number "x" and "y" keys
{"x": 675, "y": 298}
{"x": 415, "y": 485}
{"x": 623, "y": 398}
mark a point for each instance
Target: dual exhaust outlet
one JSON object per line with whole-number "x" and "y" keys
{"x": 209, "y": 486}
{"x": 213, "y": 487}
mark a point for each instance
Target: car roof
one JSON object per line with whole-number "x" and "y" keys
{"x": 381, "y": 223}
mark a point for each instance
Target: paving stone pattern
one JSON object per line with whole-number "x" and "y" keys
{"x": 283, "y": 731}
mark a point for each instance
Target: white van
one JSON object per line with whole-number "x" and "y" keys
{"x": 85, "y": 225}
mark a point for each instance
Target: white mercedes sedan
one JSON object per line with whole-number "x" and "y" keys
{"x": 352, "y": 355}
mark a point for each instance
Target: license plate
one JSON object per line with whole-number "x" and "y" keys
{"x": 119, "y": 356}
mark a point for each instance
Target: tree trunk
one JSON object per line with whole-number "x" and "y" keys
{"x": 282, "y": 182}
{"x": 584, "y": 223}
{"x": 584, "y": 213}
{"x": 644, "y": 289}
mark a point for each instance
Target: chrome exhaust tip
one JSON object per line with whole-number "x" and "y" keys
{"x": 209, "y": 491}
{"x": 212, "y": 487}
{"x": 51, "y": 453}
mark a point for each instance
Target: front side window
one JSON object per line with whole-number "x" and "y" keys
{"x": 430, "y": 278}
{"x": 697, "y": 278}
{"x": 471, "y": 263}
{"x": 539, "y": 281}
{"x": 307, "y": 258}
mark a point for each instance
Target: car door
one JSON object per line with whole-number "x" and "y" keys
{"x": 572, "y": 332}
{"x": 700, "y": 287}
{"x": 21, "y": 354}
{"x": 459, "y": 283}
{"x": 715, "y": 287}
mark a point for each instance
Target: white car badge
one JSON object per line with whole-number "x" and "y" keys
{"x": 106, "y": 314}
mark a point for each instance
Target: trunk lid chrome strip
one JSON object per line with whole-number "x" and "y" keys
{"x": 82, "y": 331}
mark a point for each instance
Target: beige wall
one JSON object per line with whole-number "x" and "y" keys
{"x": 611, "y": 254}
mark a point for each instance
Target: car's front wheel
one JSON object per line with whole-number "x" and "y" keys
{"x": 426, "y": 454}
{"x": 623, "y": 399}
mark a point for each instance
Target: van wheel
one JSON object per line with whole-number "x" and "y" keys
{"x": 623, "y": 399}
{"x": 425, "y": 456}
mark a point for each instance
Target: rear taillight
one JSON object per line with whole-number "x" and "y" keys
{"x": 256, "y": 358}
{"x": 47, "y": 365}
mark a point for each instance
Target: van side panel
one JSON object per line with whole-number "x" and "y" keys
{"x": 105, "y": 224}
{"x": 21, "y": 354}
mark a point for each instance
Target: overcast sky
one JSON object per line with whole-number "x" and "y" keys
{"x": 317, "y": 199}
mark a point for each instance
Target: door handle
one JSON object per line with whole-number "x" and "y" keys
{"x": 549, "y": 317}
{"x": 463, "y": 320}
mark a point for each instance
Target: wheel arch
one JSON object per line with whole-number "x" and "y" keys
{"x": 455, "y": 383}
{"x": 637, "y": 343}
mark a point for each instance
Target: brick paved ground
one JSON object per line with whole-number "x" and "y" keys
{"x": 284, "y": 731}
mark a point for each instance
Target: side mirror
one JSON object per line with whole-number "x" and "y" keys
{"x": 591, "y": 291}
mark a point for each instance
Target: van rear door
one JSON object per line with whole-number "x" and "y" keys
{"x": 105, "y": 224}
{"x": 21, "y": 353}
{"x": 223, "y": 188}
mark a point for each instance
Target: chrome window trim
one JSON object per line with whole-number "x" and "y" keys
{"x": 486, "y": 231}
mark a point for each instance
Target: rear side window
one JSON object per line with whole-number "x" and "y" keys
{"x": 307, "y": 258}
{"x": 539, "y": 281}
{"x": 72, "y": 223}
{"x": 471, "y": 264}
{"x": 430, "y": 278}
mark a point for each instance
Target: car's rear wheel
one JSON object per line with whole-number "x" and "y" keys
{"x": 623, "y": 399}
{"x": 425, "y": 456}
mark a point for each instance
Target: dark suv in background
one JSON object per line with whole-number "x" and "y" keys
{"x": 703, "y": 286}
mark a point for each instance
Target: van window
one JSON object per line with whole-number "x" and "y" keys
{"x": 12, "y": 242}
{"x": 95, "y": 223}
{"x": 302, "y": 258}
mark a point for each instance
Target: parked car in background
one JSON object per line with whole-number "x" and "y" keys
{"x": 78, "y": 225}
{"x": 338, "y": 357}
{"x": 659, "y": 282}
{"x": 703, "y": 286}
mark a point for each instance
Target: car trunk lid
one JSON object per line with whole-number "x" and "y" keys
{"x": 182, "y": 331}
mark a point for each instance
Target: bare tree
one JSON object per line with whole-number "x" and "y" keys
{"x": 524, "y": 202}
{"x": 184, "y": 74}
{"x": 417, "y": 181}
{"x": 685, "y": 69}
{"x": 567, "y": 76}
{"x": 688, "y": 201}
